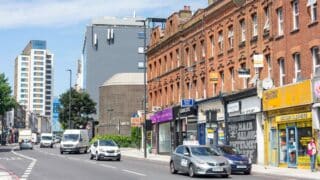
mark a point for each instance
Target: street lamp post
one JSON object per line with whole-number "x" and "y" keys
{"x": 145, "y": 86}
{"x": 70, "y": 80}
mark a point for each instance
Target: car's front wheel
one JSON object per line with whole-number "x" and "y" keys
{"x": 247, "y": 172}
{"x": 191, "y": 170}
{"x": 225, "y": 175}
{"x": 172, "y": 168}
{"x": 91, "y": 156}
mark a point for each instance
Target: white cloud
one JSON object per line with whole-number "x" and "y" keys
{"x": 52, "y": 13}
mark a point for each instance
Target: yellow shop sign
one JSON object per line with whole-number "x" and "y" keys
{"x": 287, "y": 96}
{"x": 293, "y": 117}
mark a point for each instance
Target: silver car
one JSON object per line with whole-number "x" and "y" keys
{"x": 199, "y": 160}
{"x": 26, "y": 144}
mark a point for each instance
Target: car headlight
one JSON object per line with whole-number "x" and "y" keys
{"x": 249, "y": 161}
{"x": 230, "y": 161}
{"x": 118, "y": 150}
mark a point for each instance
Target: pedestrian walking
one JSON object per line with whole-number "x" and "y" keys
{"x": 312, "y": 152}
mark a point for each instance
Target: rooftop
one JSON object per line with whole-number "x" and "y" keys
{"x": 125, "y": 79}
{"x": 113, "y": 21}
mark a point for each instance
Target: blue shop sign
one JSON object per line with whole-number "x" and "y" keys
{"x": 187, "y": 102}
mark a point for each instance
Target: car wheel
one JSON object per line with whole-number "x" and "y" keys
{"x": 191, "y": 170}
{"x": 86, "y": 150}
{"x": 61, "y": 152}
{"x": 172, "y": 168}
{"x": 119, "y": 159}
{"x": 247, "y": 172}
{"x": 91, "y": 156}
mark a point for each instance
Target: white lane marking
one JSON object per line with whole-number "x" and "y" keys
{"x": 108, "y": 166}
{"x": 133, "y": 172}
{"x": 27, "y": 172}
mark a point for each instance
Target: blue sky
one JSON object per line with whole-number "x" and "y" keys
{"x": 62, "y": 24}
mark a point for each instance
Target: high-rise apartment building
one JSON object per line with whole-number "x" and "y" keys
{"x": 33, "y": 85}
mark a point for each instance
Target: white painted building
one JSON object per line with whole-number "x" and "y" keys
{"x": 33, "y": 86}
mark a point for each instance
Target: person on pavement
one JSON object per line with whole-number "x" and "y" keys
{"x": 312, "y": 151}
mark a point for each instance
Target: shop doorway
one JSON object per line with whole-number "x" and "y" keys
{"x": 292, "y": 146}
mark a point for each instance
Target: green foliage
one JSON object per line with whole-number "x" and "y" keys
{"x": 122, "y": 141}
{"x": 81, "y": 107}
{"x": 7, "y": 102}
{"x": 136, "y": 136}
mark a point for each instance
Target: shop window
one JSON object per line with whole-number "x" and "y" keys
{"x": 304, "y": 137}
{"x": 283, "y": 146}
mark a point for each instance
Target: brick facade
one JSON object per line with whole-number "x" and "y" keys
{"x": 222, "y": 39}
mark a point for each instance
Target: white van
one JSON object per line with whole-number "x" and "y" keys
{"x": 74, "y": 140}
{"x": 46, "y": 140}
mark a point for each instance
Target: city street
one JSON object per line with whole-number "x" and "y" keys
{"x": 43, "y": 164}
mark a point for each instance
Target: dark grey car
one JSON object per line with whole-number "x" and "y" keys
{"x": 199, "y": 160}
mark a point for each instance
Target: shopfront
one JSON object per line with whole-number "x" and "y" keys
{"x": 187, "y": 124}
{"x": 162, "y": 129}
{"x": 244, "y": 125}
{"x": 288, "y": 125}
{"x": 211, "y": 121}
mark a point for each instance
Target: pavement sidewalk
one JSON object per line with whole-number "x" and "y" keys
{"x": 256, "y": 168}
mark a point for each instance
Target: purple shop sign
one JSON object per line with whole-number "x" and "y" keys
{"x": 162, "y": 116}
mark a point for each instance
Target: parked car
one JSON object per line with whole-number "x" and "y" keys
{"x": 46, "y": 140}
{"x": 238, "y": 161}
{"x": 199, "y": 160}
{"x": 57, "y": 139}
{"x": 105, "y": 149}
{"x": 74, "y": 140}
{"x": 25, "y": 144}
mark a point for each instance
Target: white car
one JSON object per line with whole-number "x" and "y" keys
{"x": 46, "y": 140}
{"x": 105, "y": 149}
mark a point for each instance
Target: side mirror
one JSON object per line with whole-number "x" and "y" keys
{"x": 186, "y": 154}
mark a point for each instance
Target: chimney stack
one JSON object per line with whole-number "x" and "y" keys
{"x": 185, "y": 13}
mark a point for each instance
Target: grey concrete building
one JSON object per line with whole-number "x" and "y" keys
{"x": 120, "y": 98}
{"x": 110, "y": 47}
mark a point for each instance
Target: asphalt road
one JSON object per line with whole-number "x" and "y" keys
{"x": 49, "y": 164}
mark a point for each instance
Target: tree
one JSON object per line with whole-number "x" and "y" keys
{"x": 7, "y": 102}
{"x": 82, "y": 106}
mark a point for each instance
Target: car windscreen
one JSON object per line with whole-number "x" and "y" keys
{"x": 204, "y": 151}
{"x": 107, "y": 143}
{"x": 70, "y": 137}
{"x": 229, "y": 150}
{"x": 46, "y": 138}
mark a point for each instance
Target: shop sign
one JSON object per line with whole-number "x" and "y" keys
{"x": 293, "y": 117}
{"x": 250, "y": 105}
{"x": 187, "y": 102}
{"x": 136, "y": 122}
{"x": 243, "y": 137}
{"x": 233, "y": 107}
{"x": 288, "y": 96}
{"x": 258, "y": 60}
{"x": 162, "y": 116}
{"x": 213, "y": 77}
{"x": 188, "y": 111}
{"x": 210, "y": 133}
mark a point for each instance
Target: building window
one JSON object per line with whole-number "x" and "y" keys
{"x": 266, "y": 26}
{"x": 245, "y": 80}
{"x": 312, "y": 6}
{"x": 171, "y": 60}
{"x": 280, "y": 21}
{"x": 195, "y": 53}
{"x": 220, "y": 42}
{"x": 243, "y": 31}
{"x": 212, "y": 45}
{"x": 254, "y": 25}
{"x": 178, "y": 57}
{"x": 316, "y": 59}
{"x": 165, "y": 64}
{"x": 268, "y": 59}
{"x": 232, "y": 78}
{"x": 230, "y": 37}
{"x": 297, "y": 67}
{"x": 222, "y": 80}
{"x": 295, "y": 14}
{"x": 203, "y": 52}
{"x": 187, "y": 56}
{"x": 281, "y": 72}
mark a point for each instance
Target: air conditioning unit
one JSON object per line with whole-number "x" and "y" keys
{"x": 156, "y": 108}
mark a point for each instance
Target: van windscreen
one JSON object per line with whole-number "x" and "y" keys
{"x": 70, "y": 137}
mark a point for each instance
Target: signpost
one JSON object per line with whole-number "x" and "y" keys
{"x": 187, "y": 102}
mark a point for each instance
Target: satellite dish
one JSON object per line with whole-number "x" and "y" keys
{"x": 239, "y": 2}
{"x": 267, "y": 83}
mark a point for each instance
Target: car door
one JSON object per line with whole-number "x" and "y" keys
{"x": 94, "y": 148}
{"x": 185, "y": 160}
{"x": 176, "y": 157}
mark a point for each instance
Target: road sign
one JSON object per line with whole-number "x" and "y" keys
{"x": 187, "y": 102}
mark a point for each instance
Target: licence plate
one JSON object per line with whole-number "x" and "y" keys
{"x": 241, "y": 166}
{"x": 219, "y": 169}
